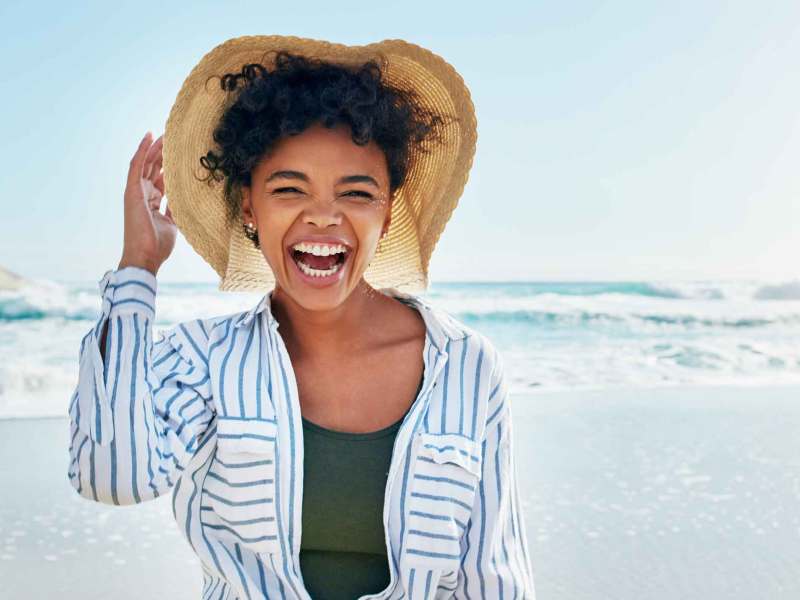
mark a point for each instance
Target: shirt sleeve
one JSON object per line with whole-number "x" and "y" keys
{"x": 138, "y": 413}
{"x": 496, "y": 561}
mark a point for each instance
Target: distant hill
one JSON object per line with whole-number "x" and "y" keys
{"x": 10, "y": 281}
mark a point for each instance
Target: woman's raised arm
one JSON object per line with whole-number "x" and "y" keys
{"x": 140, "y": 407}
{"x": 139, "y": 412}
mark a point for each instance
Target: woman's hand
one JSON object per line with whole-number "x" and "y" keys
{"x": 149, "y": 235}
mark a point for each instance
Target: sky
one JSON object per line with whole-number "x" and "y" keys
{"x": 616, "y": 140}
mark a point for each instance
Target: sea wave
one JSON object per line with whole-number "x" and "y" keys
{"x": 789, "y": 290}
{"x": 556, "y": 319}
{"x": 552, "y": 335}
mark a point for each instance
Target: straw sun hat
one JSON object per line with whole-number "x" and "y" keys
{"x": 422, "y": 204}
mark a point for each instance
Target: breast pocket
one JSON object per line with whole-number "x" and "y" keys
{"x": 446, "y": 473}
{"x": 237, "y": 502}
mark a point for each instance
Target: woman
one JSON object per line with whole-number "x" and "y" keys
{"x": 364, "y": 449}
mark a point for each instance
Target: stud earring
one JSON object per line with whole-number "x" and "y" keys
{"x": 251, "y": 233}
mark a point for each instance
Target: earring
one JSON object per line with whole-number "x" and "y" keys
{"x": 251, "y": 233}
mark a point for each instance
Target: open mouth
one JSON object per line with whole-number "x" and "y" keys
{"x": 314, "y": 265}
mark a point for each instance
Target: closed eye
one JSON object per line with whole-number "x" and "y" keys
{"x": 355, "y": 193}
{"x": 361, "y": 193}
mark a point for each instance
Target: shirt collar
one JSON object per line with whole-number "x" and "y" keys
{"x": 262, "y": 306}
{"x": 440, "y": 325}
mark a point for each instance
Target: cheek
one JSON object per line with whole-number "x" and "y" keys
{"x": 273, "y": 226}
{"x": 368, "y": 220}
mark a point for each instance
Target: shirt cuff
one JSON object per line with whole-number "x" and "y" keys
{"x": 129, "y": 290}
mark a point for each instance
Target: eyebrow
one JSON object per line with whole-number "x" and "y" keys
{"x": 303, "y": 177}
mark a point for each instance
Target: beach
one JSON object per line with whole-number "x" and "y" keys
{"x": 628, "y": 493}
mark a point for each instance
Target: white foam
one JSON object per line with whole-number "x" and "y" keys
{"x": 552, "y": 336}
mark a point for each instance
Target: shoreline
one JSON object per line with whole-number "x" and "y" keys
{"x": 624, "y": 390}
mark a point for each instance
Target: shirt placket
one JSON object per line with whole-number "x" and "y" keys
{"x": 287, "y": 406}
{"x": 434, "y": 359}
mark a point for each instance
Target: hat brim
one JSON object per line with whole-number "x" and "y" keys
{"x": 422, "y": 205}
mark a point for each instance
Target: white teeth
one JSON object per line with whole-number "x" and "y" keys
{"x": 320, "y": 249}
{"x": 317, "y": 272}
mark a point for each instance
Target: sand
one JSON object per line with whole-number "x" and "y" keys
{"x": 690, "y": 492}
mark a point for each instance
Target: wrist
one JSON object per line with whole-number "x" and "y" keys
{"x": 137, "y": 261}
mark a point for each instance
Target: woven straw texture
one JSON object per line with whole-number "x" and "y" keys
{"x": 422, "y": 205}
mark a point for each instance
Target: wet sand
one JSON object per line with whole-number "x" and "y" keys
{"x": 690, "y": 492}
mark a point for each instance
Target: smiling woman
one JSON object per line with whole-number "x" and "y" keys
{"x": 319, "y": 203}
{"x": 364, "y": 450}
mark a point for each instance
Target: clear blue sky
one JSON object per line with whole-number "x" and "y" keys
{"x": 617, "y": 140}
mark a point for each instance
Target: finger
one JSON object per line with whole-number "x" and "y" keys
{"x": 149, "y": 159}
{"x": 155, "y": 201}
{"x": 151, "y": 194}
{"x": 158, "y": 163}
{"x": 137, "y": 162}
{"x": 153, "y": 153}
{"x": 154, "y": 170}
{"x": 159, "y": 182}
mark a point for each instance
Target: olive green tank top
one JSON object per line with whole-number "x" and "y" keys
{"x": 343, "y": 545}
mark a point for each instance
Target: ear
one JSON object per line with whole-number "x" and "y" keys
{"x": 388, "y": 220}
{"x": 247, "y": 207}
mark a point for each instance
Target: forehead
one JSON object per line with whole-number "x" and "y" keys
{"x": 318, "y": 150}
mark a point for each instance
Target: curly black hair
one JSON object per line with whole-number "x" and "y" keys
{"x": 266, "y": 106}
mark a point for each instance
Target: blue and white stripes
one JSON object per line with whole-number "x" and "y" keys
{"x": 210, "y": 412}
{"x": 137, "y": 414}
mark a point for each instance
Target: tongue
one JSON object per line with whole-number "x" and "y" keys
{"x": 318, "y": 262}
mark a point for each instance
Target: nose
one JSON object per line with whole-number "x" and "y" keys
{"x": 322, "y": 214}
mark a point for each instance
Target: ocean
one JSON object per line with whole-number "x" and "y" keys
{"x": 553, "y": 335}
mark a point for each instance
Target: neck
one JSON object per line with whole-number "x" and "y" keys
{"x": 318, "y": 333}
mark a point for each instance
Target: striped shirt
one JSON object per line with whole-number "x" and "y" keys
{"x": 210, "y": 412}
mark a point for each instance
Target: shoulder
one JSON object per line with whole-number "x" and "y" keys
{"x": 476, "y": 368}
{"x": 470, "y": 342}
{"x": 491, "y": 379}
{"x": 193, "y": 339}
{"x": 451, "y": 328}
